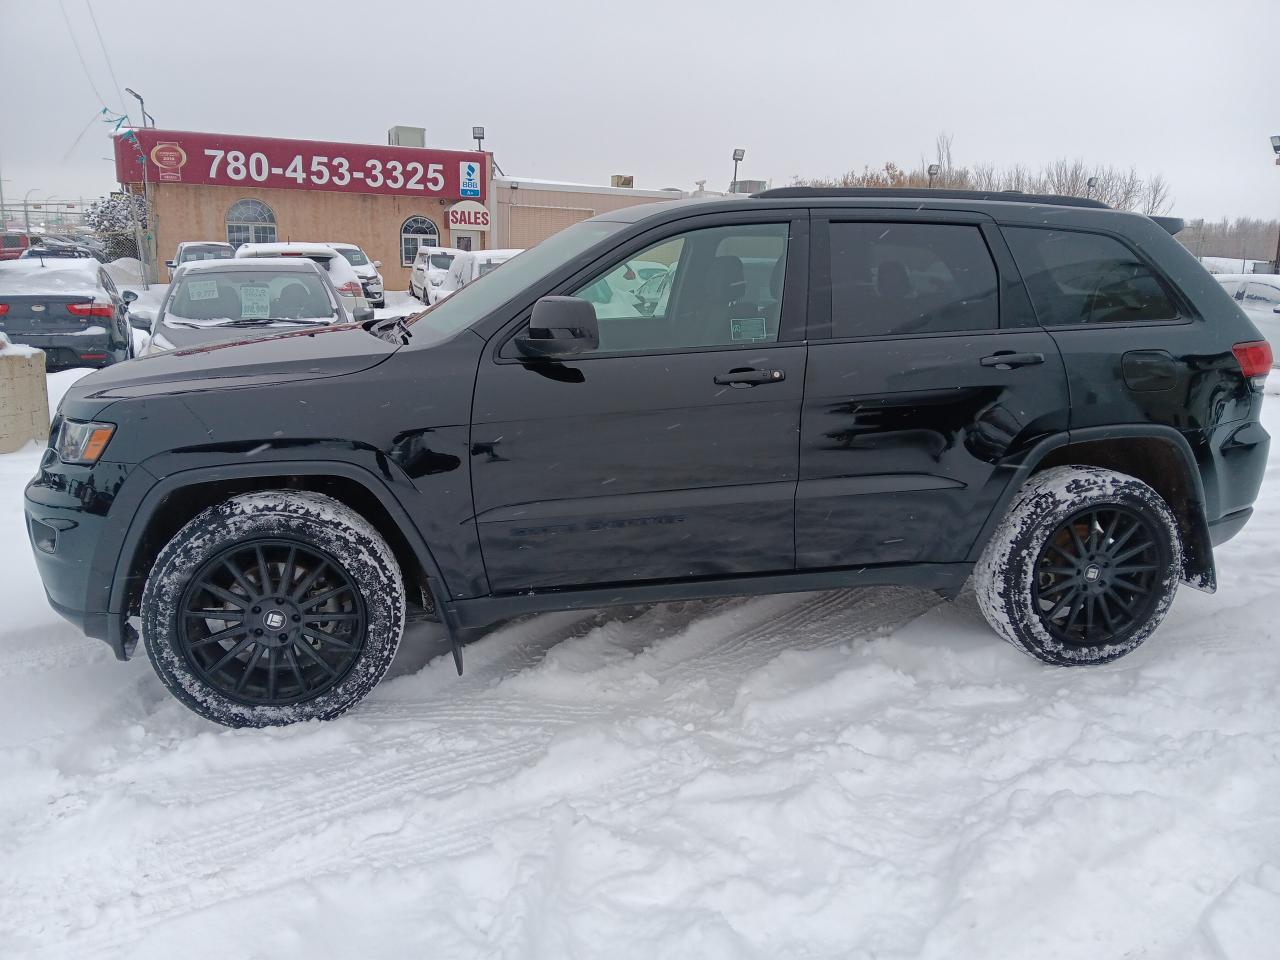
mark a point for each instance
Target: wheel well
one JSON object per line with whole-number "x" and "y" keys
{"x": 179, "y": 506}
{"x": 1162, "y": 466}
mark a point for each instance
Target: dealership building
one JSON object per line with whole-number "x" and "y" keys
{"x": 388, "y": 199}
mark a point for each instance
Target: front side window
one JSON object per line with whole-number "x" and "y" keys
{"x": 354, "y": 256}
{"x": 414, "y": 233}
{"x": 250, "y": 221}
{"x": 891, "y": 279}
{"x": 1077, "y": 278}
{"x": 720, "y": 286}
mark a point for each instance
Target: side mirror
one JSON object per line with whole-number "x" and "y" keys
{"x": 560, "y": 327}
{"x": 170, "y": 264}
{"x": 141, "y": 319}
{"x": 362, "y": 314}
{"x": 377, "y": 264}
{"x": 128, "y": 296}
{"x": 1275, "y": 310}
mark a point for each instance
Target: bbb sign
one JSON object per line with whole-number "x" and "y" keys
{"x": 469, "y": 178}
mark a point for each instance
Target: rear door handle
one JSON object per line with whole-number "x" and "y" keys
{"x": 749, "y": 377}
{"x": 1009, "y": 360}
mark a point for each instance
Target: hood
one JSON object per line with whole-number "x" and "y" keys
{"x": 299, "y": 354}
{"x": 367, "y": 270}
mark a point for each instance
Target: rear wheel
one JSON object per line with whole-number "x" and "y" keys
{"x": 273, "y": 607}
{"x": 1083, "y": 567}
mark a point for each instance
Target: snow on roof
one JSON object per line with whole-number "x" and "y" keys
{"x": 567, "y": 186}
{"x": 267, "y": 263}
{"x": 499, "y": 254}
{"x": 277, "y": 249}
{"x": 59, "y": 277}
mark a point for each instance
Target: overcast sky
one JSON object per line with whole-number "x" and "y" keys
{"x": 666, "y": 90}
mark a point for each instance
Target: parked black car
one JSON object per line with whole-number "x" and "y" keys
{"x": 69, "y": 308}
{"x": 838, "y": 388}
{"x": 219, "y": 301}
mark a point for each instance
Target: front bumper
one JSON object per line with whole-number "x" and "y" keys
{"x": 374, "y": 292}
{"x": 76, "y": 520}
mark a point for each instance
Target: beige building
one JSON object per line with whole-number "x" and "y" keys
{"x": 389, "y": 200}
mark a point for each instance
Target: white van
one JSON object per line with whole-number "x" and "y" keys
{"x": 430, "y": 267}
{"x": 468, "y": 266}
{"x": 341, "y": 273}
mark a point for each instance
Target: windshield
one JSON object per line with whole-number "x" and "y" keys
{"x": 440, "y": 261}
{"x": 354, "y": 257}
{"x": 206, "y": 253}
{"x": 482, "y": 296}
{"x": 249, "y": 297}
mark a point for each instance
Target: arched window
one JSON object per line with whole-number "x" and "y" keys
{"x": 416, "y": 232}
{"x": 250, "y": 221}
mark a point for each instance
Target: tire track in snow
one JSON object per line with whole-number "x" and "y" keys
{"x": 401, "y": 804}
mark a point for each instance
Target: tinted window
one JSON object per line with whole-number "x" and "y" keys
{"x": 889, "y": 279}
{"x": 1086, "y": 278}
{"x": 716, "y": 287}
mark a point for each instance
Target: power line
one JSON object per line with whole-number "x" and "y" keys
{"x": 105, "y": 56}
{"x": 63, "y": 7}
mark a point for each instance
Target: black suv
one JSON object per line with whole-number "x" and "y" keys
{"x": 831, "y": 389}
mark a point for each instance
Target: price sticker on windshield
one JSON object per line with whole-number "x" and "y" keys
{"x": 202, "y": 290}
{"x": 255, "y": 303}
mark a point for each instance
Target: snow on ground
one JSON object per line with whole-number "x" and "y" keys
{"x": 853, "y": 774}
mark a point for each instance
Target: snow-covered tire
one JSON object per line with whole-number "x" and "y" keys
{"x": 1052, "y": 513}
{"x": 281, "y": 527}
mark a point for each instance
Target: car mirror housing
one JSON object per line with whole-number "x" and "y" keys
{"x": 377, "y": 264}
{"x": 128, "y": 296}
{"x": 141, "y": 319}
{"x": 560, "y": 327}
{"x": 170, "y": 264}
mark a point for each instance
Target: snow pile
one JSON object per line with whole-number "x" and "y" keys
{"x": 852, "y": 774}
{"x": 126, "y": 272}
{"x": 10, "y": 349}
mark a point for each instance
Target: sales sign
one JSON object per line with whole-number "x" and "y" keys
{"x": 226, "y": 160}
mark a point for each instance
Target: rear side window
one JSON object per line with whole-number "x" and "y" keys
{"x": 889, "y": 279}
{"x": 1076, "y": 278}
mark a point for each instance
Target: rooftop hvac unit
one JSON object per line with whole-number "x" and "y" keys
{"x": 407, "y": 136}
{"x": 622, "y": 180}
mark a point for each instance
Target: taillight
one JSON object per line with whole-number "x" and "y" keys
{"x": 91, "y": 310}
{"x": 1254, "y": 358}
{"x": 4, "y": 308}
{"x": 351, "y": 289}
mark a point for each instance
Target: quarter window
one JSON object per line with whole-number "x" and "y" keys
{"x": 250, "y": 221}
{"x": 414, "y": 233}
{"x": 720, "y": 286}
{"x": 890, "y": 279}
{"x": 1076, "y": 278}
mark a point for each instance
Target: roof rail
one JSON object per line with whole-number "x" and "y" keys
{"x": 928, "y": 193}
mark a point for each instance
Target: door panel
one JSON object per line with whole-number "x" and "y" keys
{"x": 900, "y": 442}
{"x": 625, "y": 469}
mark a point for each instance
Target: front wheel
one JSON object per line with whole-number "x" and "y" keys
{"x": 273, "y": 607}
{"x": 1082, "y": 568}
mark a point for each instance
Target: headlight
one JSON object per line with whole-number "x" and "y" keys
{"x": 83, "y": 443}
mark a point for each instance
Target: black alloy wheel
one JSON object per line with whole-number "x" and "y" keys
{"x": 270, "y": 622}
{"x": 1098, "y": 575}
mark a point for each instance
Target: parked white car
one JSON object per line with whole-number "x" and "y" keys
{"x": 469, "y": 266}
{"x": 430, "y": 267}
{"x": 1259, "y": 295}
{"x": 366, "y": 270}
{"x": 341, "y": 273}
{"x": 190, "y": 251}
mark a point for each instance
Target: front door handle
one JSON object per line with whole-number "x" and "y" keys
{"x": 1009, "y": 360}
{"x": 749, "y": 377}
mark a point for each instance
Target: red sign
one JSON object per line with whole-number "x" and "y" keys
{"x": 227, "y": 160}
{"x": 468, "y": 215}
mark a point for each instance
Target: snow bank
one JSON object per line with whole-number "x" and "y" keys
{"x": 126, "y": 272}
{"x": 851, "y": 774}
{"x": 10, "y": 349}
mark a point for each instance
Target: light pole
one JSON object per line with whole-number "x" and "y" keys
{"x": 142, "y": 105}
{"x": 934, "y": 170}
{"x": 1089, "y": 186}
{"x": 477, "y": 134}
{"x": 738, "y": 154}
{"x": 1275, "y": 148}
{"x": 26, "y": 213}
